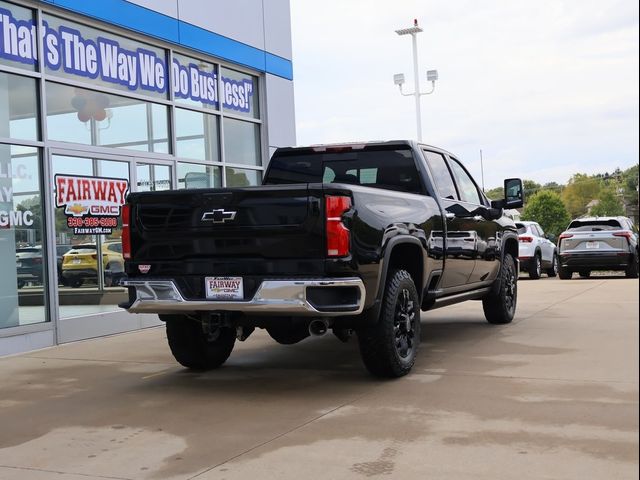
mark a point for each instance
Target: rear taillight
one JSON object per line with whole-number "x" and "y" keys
{"x": 627, "y": 235}
{"x": 37, "y": 260}
{"x": 525, "y": 239}
{"x": 564, "y": 235}
{"x": 338, "y": 237}
{"x": 126, "y": 234}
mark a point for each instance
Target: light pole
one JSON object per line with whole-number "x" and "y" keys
{"x": 432, "y": 75}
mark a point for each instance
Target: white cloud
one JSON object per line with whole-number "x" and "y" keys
{"x": 545, "y": 89}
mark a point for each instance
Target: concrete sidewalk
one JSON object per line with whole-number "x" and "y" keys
{"x": 553, "y": 395}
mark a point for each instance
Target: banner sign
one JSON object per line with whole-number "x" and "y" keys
{"x": 104, "y": 58}
{"x": 92, "y": 204}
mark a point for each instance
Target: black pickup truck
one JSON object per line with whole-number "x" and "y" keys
{"x": 354, "y": 238}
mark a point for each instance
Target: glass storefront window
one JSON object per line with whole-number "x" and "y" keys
{"x": 240, "y": 177}
{"x": 88, "y": 228}
{"x": 18, "y": 107}
{"x": 195, "y": 82}
{"x": 241, "y": 142}
{"x": 87, "y": 54}
{"x": 197, "y": 135}
{"x": 85, "y": 116}
{"x": 194, "y": 175}
{"x": 240, "y": 93}
{"x": 22, "y": 256}
{"x": 152, "y": 178}
{"x": 17, "y": 37}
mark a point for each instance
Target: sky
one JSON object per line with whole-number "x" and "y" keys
{"x": 545, "y": 89}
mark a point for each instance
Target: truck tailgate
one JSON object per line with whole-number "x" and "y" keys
{"x": 234, "y": 229}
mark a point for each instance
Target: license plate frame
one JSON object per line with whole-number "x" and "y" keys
{"x": 76, "y": 261}
{"x": 224, "y": 288}
{"x": 592, "y": 244}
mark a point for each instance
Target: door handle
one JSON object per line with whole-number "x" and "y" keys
{"x": 450, "y": 216}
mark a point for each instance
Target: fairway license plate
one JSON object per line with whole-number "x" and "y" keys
{"x": 224, "y": 288}
{"x": 593, "y": 244}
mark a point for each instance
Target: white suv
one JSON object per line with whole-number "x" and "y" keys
{"x": 536, "y": 251}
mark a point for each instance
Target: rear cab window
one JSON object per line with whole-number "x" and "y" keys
{"x": 378, "y": 166}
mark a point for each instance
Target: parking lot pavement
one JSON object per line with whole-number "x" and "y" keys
{"x": 553, "y": 395}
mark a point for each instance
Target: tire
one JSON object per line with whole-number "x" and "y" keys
{"x": 500, "y": 304}
{"x": 632, "y": 269}
{"x": 585, "y": 274}
{"x": 535, "y": 267}
{"x": 195, "y": 349}
{"x": 389, "y": 348}
{"x": 553, "y": 271}
{"x": 288, "y": 335}
{"x": 564, "y": 273}
{"x": 75, "y": 282}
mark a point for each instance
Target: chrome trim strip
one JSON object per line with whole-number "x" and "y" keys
{"x": 273, "y": 296}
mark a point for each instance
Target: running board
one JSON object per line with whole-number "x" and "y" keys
{"x": 459, "y": 297}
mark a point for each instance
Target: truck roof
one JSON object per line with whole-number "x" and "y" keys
{"x": 361, "y": 145}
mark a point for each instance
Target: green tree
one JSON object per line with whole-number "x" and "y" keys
{"x": 556, "y": 187}
{"x": 495, "y": 193}
{"x": 546, "y": 208}
{"x": 530, "y": 187}
{"x": 609, "y": 204}
{"x": 580, "y": 190}
{"x": 630, "y": 192}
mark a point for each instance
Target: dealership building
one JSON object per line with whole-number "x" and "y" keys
{"x": 102, "y": 98}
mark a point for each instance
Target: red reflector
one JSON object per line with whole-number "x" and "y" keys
{"x": 338, "y": 236}
{"x": 126, "y": 235}
{"x": 526, "y": 239}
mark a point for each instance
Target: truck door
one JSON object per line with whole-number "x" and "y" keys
{"x": 475, "y": 218}
{"x": 460, "y": 239}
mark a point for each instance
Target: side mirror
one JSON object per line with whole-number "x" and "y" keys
{"x": 513, "y": 193}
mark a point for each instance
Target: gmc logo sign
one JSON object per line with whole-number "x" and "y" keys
{"x": 111, "y": 210}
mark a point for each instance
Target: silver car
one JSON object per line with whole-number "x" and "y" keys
{"x": 598, "y": 243}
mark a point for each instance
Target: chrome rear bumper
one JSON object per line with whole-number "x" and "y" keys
{"x": 272, "y": 297}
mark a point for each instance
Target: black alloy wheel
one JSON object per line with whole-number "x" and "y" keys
{"x": 500, "y": 303}
{"x": 404, "y": 324}
{"x": 389, "y": 347}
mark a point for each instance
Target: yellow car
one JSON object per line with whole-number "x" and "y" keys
{"x": 80, "y": 264}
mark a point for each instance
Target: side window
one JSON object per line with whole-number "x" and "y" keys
{"x": 441, "y": 175}
{"x": 466, "y": 185}
{"x": 540, "y": 231}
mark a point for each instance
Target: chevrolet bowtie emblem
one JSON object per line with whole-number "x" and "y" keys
{"x": 218, "y": 216}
